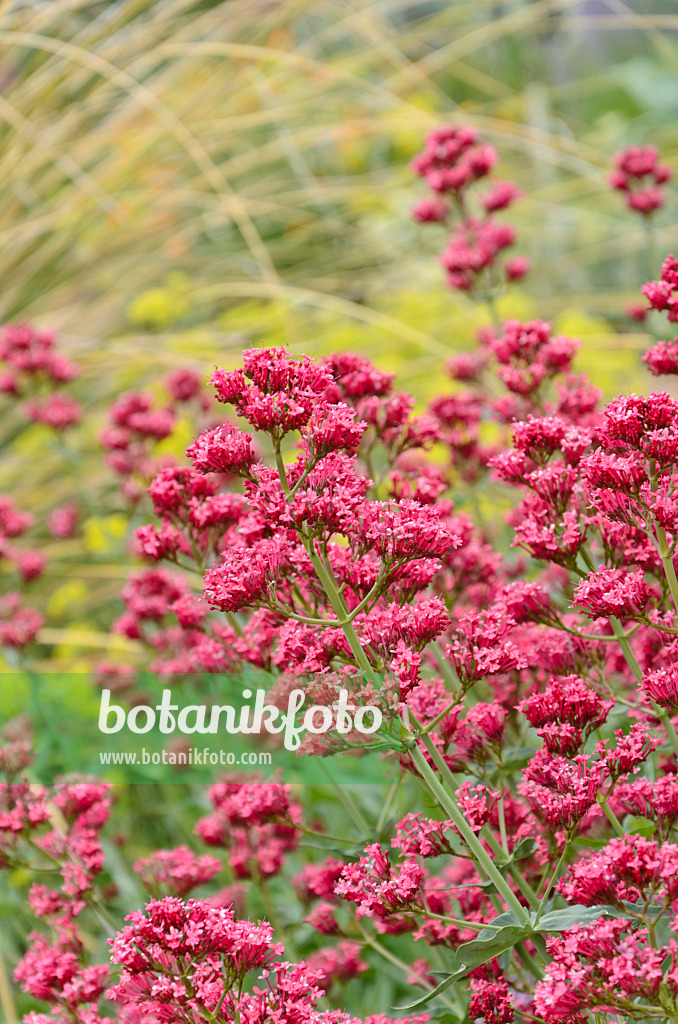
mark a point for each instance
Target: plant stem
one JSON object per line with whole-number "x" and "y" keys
{"x": 338, "y": 606}
{"x": 667, "y": 562}
{"x": 449, "y": 805}
{"x": 325, "y": 577}
{"x": 448, "y": 673}
{"x": 445, "y": 772}
{"x": 441, "y": 714}
{"x": 280, "y": 466}
{"x": 524, "y": 886}
{"x": 387, "y": 806}
{"x": 7, "y": 1003}
{"x": 354, "y": 812}
{"x": 471, "y": 925}
{"x": 551, "y": 882}
{"x": 323, "y": 835}
{"x": 611, "y": 817}
{"x": 529, "y": 962}
{"x": 626, "y": 648}
{"x": 632, "y": 662}
{"x": 651, "y": 239}
{"x": 502, "y": 817}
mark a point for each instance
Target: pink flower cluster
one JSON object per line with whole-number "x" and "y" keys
{"x": 452, "y": 162}
{"x": 19, "y": 624}
{"x": 611, "y": 966}
{"x": 134, "y": 430}
{"x": 662, "y": 295}
{"x": 178, "y": 870}
{"x": 639, "y": 174}
{"x": 327, "y": 584}
{"x": 54, "y": 971}
{"x": 35, "y": 370}
{"x": 255, "y": 822}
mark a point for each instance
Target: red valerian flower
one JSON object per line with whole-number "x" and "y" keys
{"x": 490, "y": 1001}
{"x": 662, "y": 358}
{"x": 639, "y": 174}
{"x": 54, "y": 974}
{"x": 663, "y": 294}
{"x": 422, "y": 837}
{"x": 225, "y": 449}
{"x": 378, "y": 889}
{"x": 604, "y": 966}
{"x": 400, "y": 532}
{"x": 58, "y": 412}
{"x": 178, "y": 870}
{"x": 661, "y": 686}
{"x": 243, "y": 577}
{"x": 168, "y": 933}
{"x": 452, "y": 162}
{"x": 566, "y": 713}
{"x": 607, "y": 591}
{"x": 629, "y": 869}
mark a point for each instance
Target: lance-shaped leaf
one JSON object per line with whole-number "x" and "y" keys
{"x": 570, "y": 917}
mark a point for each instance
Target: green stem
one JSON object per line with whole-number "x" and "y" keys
{"x": 233, "y": 623}
{"x": 471, "y": 925}
{"x": 611, "y": 817}
{"x": 445, "y": 773}
{"x": 524, "y": 886}
{"x": 448, "y": 673}
{"x": 554, "y": 876}
{"x": 387, "y": 806}
{"x": 667, "y": 562}
{"x": 488, "y": 299}
{"x": 364, "y": 829}
{"x": 261, "y": 886}
{"x": 626, "y": 648}
{"x": 7, "y": 1003}
{"x": 338, "y": 606}
{"x": 502, "y": 817}
{"x": 324, "y": 835}
{"x": 446, "y": 710}
{"x": 529, "y": 962}
{"x": 280, "y": 466}
{"x": 449, "y": 805}
{"x": 632, "y": 662}
{"x": 325, "y": 578}
{"x": 650, "y": 236}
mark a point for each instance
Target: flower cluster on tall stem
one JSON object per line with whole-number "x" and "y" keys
{"x": 453, "y": 161}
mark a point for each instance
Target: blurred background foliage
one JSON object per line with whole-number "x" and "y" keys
{"x": 181, "y": 179}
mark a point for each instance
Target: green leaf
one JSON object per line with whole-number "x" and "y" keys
{"x": 504, "y": 960}
{"x": 561, "y": 920}
{"x": 638, "y": 826}
{"x": 654, "y": 911}
{"x": 517, "y": 757}
{"x": 482, "y": 949}
{"x": 505, "y": 920}
{"x": 487, "y": 946}
{"x": 523, "y": 849}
